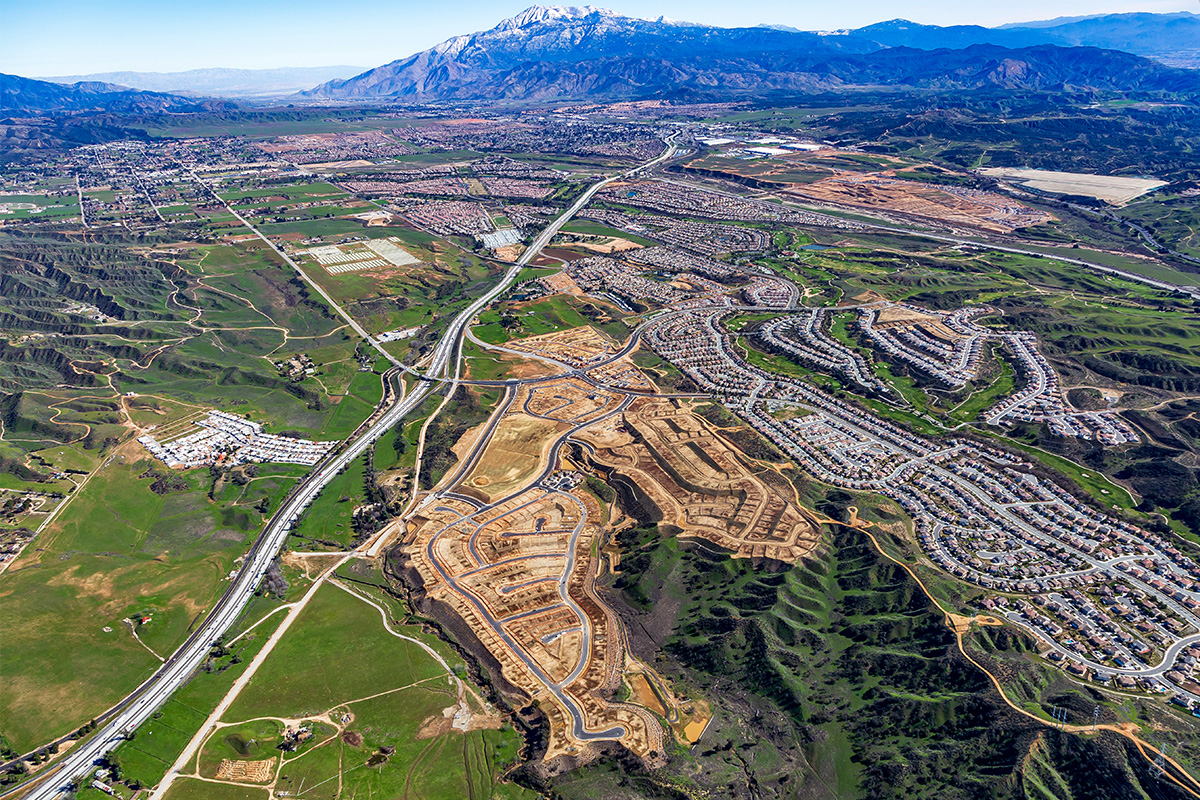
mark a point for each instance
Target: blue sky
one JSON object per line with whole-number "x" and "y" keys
{"x": 64, "y": 37}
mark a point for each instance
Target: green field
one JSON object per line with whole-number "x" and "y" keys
{"x": 303, "y": 676}
{"x": 328, "y": 522}
{"x": 393, "y": 688}
{"x": 519, "y": 320}
{"x": 361, "y": 398}
{"x": 193, "y": 789}
{"x": 119, "y": 549}
{"x": 600, "y": 229}
{"x": 248, "y": 741}
{"x": 47, "y": 207}
{"x": 155, "y": 745}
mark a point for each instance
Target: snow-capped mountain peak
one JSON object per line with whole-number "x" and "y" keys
{"x": 537, "y": 15}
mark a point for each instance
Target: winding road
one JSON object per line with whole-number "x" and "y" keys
{"x": 56, "y": 780}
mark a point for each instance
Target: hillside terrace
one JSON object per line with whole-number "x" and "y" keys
{"x": 979, "y": 513}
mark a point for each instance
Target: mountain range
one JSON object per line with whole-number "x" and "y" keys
{"x": 572, "y": 53}
{"x": 1160, "y": 36}
{"x": 221, "y": 82}
{"x": 569, "y": 52}
{"x": 30, "y": 96}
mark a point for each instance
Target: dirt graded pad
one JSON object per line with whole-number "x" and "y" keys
{"x": 514, "y": 454}
{"x": 700, "y": 483}
{"x": 578, "y": 347}
{"x": 948, "y": 205}
{"x": 246, "y": 771}
{"x": 521, "y": 575}
{"x": 1109, "y": 188}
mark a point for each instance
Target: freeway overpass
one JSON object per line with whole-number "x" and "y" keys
{"x": 54, "y": 780}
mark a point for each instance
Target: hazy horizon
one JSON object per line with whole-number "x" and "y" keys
{"x": 80, "y": 38}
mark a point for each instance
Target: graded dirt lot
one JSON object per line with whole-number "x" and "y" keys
{"x": 643, "y": 694}
{"x": 900, "y": 315}
{"x": 521, "y": 577}
{"x": 582, "y": 347}
{"x": 1109, "y": 188}
{"x": 603, "y": 245}
{"x": 246, "y": 771}
{"x": 515, "y": 453}
{"x": 700, "y": 483}
{"x": 510, "y": 253}
{"x": 576, "y": 346}
{"x": 949, "y": 205}
{"x": 871, "y": 182}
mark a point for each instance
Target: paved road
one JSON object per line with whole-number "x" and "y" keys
{"x": 353, "y": 323}
{"x": 175, "y": 671}
{"x": 977, "y": 496}
{"x": 184, "y": 661}
{"x": 1191, "y": 291}
{"x": 557, "y": 688}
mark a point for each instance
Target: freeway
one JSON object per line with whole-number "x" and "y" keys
{"x": 440, "y": 358}
{"x": 56, "y": 780}
{"x": 178, "y": 668}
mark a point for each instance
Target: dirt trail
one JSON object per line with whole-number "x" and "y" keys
{"x": 202, "y": 734}
{"x": 960, "y": 624}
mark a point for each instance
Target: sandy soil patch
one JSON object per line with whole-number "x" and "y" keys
{"x": 246, "y": 771}
{"x": 884, "y": 192}
{"x": 509, "y": 254}
{"x": 693, "y": 729}
{"x": 610, "y": 245}
{"x": 514, "y": 454}
{"x": 643, "y": 694}
{"x": 575, "y": 346}
{"x": 1110, "y": 189}
{"x": 900, "y": 315}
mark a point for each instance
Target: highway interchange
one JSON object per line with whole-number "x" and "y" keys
{"x": 436, "y": 370}
{"x": 138, "y": 707}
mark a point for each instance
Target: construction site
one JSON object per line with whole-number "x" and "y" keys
{"x": 949, "y": 205}
{"x": 508, "y": 548}
{"x": 701, "y": 485}
{"x": 587, "y": 347}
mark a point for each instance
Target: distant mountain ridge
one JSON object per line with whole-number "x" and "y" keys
{"x": 1139, "y": 33}
{"x": 220, "y": 81}
{"x": 572, "y": 52}
{"x": 29, "y": 96}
